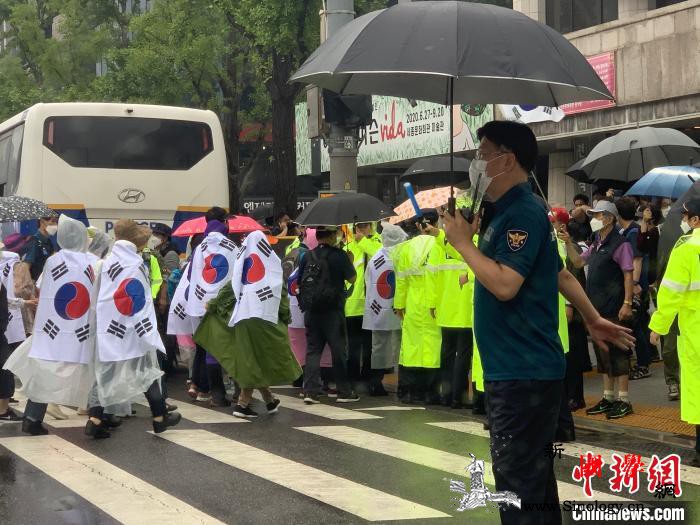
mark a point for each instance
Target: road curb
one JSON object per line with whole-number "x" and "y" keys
{"x": 679, "y": 440}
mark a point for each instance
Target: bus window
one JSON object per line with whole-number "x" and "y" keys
{"x": 128, "y": 143}
{"x": 10, "y": 156}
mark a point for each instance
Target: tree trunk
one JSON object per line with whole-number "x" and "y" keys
{"x": 231, "y": 130}
{"x": 283, "y": 96}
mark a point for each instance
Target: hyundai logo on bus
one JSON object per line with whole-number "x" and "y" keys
{"x": 131, "y": 196}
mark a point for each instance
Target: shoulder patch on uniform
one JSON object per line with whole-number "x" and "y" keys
{"x": 516, "y": 239}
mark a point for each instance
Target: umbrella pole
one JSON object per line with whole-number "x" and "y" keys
{"x": 452, "y": 202}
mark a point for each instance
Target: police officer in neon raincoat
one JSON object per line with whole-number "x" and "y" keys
{"x": 421, "y": 338}
{"x": 679, "y": 294}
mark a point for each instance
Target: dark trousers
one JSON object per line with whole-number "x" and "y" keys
{"x": 156, "y": 401}
{"x": 565, "y": 424}
{"x": 523, "y": 416}
{"x": 359, "y": 350}
{"x": 455, "y": 362}
{"x": 577, "y": 360}
{"x": 420, "y": 383}
{"x": 167, "y": 361}
{"x": 640, "y": 330}
{"x": 7, "y": 378}
{"x": 326, "y": 328}
{"x": 216, "y": 382}
{"x": 669, "y": 350}
{"x": 35, "y": 411}
{"x": 199, "y": 370}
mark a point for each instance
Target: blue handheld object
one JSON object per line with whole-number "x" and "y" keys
{"x": 412, "y": 197}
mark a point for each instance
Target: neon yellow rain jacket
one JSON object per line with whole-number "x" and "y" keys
{"x": 362, "y": 251}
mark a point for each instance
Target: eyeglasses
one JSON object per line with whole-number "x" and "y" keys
{"x": 480, "y": 155}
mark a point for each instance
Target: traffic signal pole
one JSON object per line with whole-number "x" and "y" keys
{"x": 343, "y": 142}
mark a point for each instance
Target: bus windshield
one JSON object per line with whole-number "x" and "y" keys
{"x": 130, "y": 143}
{"x": 10, "y": 155}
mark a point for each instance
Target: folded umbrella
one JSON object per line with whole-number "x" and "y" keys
{"x": 343, "y": 208}
{"x": 667, "y": 181}
{"x": 17, "y": 209}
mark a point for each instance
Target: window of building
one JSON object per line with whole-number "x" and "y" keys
{"x": 128, "y": 143}
{"x": 656, "y": 4}
{"x": 571, "y": 15}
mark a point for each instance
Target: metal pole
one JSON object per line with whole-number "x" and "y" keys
{"x": 343, "y": 143}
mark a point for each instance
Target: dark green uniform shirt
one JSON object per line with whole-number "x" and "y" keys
{"x": 518, "y": 339}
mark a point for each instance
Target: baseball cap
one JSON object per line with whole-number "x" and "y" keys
{"x": 161, "y": 229}
{"x": 692, "y": 207}
{"x": 559, "y": 215}
{"x": 604, "y": 206}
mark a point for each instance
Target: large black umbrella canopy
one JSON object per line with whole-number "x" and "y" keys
{"x": 576, "y": 173}
{"x": 435, "y": 171}
{"x": 17, "y": 209}
{"x": 630, "y": 154}
{"x": 486, "y": 54}
{"x": 344, "y": 208}
{"x": 671, "y": 228}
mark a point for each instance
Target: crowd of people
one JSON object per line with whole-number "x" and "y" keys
{"x": 492, "y": 314}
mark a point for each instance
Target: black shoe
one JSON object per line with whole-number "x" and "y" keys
{"x": 576, "y": 405}
{"x": 112, "y": 421}
{"x": 310, "y": 399}
{"x": 96, "y": 431}
{"x": 272, "y": 406}
{"x": 351, "y": 398}
{"x": 169, "y": 420}
{"x": 432, "y": 399}
{"x": 619, "y": 410}
{"x": 170, "y": 408}
{"x": 13, "y": 401}
{"x": 639, "y": 372}
{"x": 244, "y": 412}
{"x": 10, "y": 415}
{"x": 407, "y": 398}
{"x": 487, "y": 426}
{"x": 378, "y": 391}
{"x": 601, "y": 407}
{"x": 34, "y": 428}
{"x": 478, "y": 411}
{"x": 695, "y": 462}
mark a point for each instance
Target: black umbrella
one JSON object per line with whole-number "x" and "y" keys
{"x": 671, "y": 228}
{"x": 630, "y": 154}
{"x": 344, "y": 208}
{"x": 576, "y": 173}
{"x": 17, "y": 209}
{"x": 453, "y": 52}
{"x": 262, "y": 212}
{"x": 435, "y": 171}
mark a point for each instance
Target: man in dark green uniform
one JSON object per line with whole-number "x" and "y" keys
{"x": 518, "y": 275}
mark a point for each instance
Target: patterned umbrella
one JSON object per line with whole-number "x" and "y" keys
{"x": 17, "y": 209}
{"x": 426, "y": 199}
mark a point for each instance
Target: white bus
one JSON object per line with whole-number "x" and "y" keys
{"x": 100, "y": 162}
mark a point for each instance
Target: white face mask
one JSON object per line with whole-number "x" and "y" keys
{"x": 479, "y": 180}
{"x": 52, "y": 229}
{"x": 153, "y": 242}
{"x": 685, "y": 227}
{"x": 596, "y": 225}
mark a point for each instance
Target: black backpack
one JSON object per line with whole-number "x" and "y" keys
{"x": 316, "y": 291}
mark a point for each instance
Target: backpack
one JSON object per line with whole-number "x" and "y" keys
{"x": 315, "y": 289}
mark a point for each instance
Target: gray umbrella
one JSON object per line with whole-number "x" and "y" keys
{"x": 435, "y": 171}
{"x": 453, "y": 52}
{"x": 422, "y": 50}
{"x": 17, "y": 209}
{"x": 630, "y": 154}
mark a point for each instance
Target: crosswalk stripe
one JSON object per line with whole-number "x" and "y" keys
{"x": 575, "y": 450}
{"x": 390, "y": 408}
{"x": 362, "y": 501}
{"x": 425, "y": 456}
{"x": 322, "y": 410}
{"x": 198, "y": 414}
{"x": 126, "y": 498}
{"x": 74, "y": 420}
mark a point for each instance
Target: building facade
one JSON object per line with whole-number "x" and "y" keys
{"x": 654, "y": 46}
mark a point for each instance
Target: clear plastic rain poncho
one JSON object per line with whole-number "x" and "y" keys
{"x": 122, "y": 381}
{"x": 61, "y": 382}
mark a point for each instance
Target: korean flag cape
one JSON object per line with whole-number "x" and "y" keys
{"x": 211, "y": 268}
{"x": 66, "y": 375}
{"x": 126, "y": 361}
{"x": 179, "y": 323}
{"x": 126, "y": 318}
{"x": 380, "y": 284}
{"x": 63, "y": 329}
{"x": 257, "y": 281}
{"x": 15, "y": 326}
